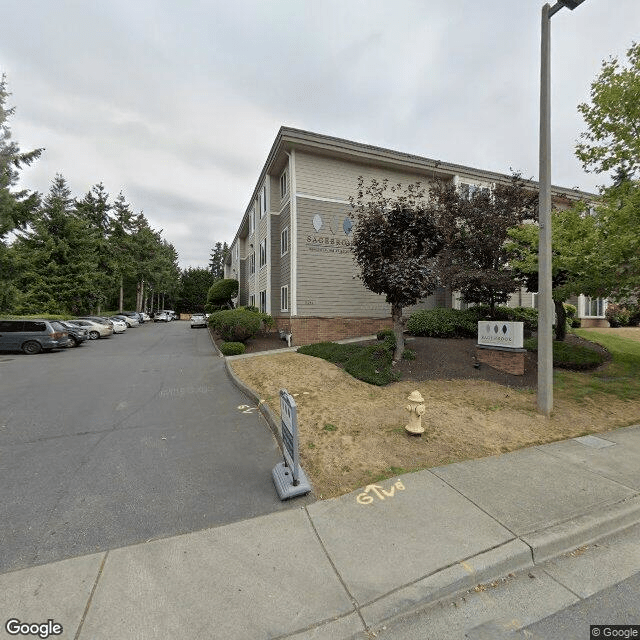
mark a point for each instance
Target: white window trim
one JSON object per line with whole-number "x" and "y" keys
{"x": 264, "y": 291}
{"x": 263, "y": 201}
{"x": 252, "y": 220}
{"x": 584, "y": 307}
{"x": 284, "y": 177}
{"x": 284, "y": 298}
{"x": 263, "y": 244}
{"x": 282, "y": 233}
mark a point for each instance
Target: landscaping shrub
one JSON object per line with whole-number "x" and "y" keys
{"x": 232, "y": 348}
{"x": 617, "y": 315}
{"x": 370, "y": 363}
{"x": 235, "y": 325}
{"x": 220, "y": 294}
{"x": 383, "y": 333}
{"x": 408, "y": 354}
{"x": 443, "y": 323}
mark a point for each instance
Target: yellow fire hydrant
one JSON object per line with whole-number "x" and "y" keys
{"x": 416, "y": 410}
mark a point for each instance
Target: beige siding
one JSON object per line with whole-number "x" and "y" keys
{"x": 325, "y": 267}
{"x": 281, "y": 265}
{"x": 326, "y": 177}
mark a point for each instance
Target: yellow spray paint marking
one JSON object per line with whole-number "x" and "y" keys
{"x": 468, "y": 567}
{"x": 371, "y": 490}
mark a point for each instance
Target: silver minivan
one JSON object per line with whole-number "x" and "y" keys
{"x": 32, "y": 336}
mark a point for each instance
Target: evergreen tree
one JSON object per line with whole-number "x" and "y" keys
{"x": 56, "y": 258}
{"x": 194, "y": 286}
{"x": 216, "y": 261}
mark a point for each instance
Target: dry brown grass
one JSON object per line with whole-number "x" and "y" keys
{"x": 351, "y": 432}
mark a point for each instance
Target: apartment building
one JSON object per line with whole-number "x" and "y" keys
{"x": 292, "y": 251}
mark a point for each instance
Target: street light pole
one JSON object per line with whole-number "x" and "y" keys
{"x": 545, "y": 300}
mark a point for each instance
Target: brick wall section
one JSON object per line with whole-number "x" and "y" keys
{"x": 310, "y": 330}
{"x": 509, "y": 362}
{"x": 587, "y": 323}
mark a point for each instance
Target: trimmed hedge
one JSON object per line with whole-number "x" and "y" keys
{"x": 232, "y": 348}
{"x": 235, "y": 325}
{"x": 443, "y": 323}
{"x": 221, "y": 292}
{"x": 455, "y": 323}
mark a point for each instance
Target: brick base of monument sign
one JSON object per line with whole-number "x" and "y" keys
{"x": 502, "y": 358}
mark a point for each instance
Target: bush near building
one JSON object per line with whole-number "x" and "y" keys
{"x": 232, "y": 348}
{"x": 239, "y": 325}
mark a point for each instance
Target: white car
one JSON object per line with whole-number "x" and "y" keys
{"x": 160, "y": 316}
{"x": 119, "y": 326}
{"x": 96, "y": 330}
{"x": 198, "y": 320}
{"x": 130, "y": 321}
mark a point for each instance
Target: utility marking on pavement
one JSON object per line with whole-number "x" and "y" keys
{"x": 366, "y": 497}
{"x": 184, "y": 391}
{"x": 245, "y": 408}
{"x": 121, "y": 405}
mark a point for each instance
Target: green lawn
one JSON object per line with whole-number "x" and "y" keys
{"x": 619, "y": 378}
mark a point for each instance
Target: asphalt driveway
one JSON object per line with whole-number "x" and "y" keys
{"x": 122, "y": 440}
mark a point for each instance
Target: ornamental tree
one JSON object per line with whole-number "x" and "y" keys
{"x": 396, "y": 240}
{"x": 612, "y": 139}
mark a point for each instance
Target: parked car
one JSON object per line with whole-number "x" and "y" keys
{"x": 145, "y": 317}
{"x": 77, "y": 334}
{"x": 160, "y": 316}
{"x": 171, "y": 314}
{"x": 130, "y": 321}
{"x": 198, "y": 320}
{"x": 32, "y": 336}
{"x": 119, "y": 326}
{"x": 134, "y": 314}
{"x": 96, "y": 329}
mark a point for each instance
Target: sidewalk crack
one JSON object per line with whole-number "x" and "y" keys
{"x": 354, "y": 602}
{"x": 93, "y": 590}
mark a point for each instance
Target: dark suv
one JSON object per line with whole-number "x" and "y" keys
{"x": 32, "y": 336}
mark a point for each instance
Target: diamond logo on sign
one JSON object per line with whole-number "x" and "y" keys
{"x": 317, "y": 222}
{"x": 505, "y": 334}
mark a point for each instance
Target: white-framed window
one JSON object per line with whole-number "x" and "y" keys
{"x": 263, "y": 201}
{"x": 534, "y": 299}
{"x": 236, "y": 250}
{"x": 263, "y": 301}
{"x": 284, "y": 241}
{"x": 468, "y": 190}
{"x": 252, "y": 263}
{"x": 252, "y": 300}
{"x": 252, "y": 220}
{"x": 284, "y": 298}
{"x": 263, "y": 253}
{"x": 284, "y": 184}
{"x": 594, "y": 307}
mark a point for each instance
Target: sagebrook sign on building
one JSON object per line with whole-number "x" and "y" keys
{"x": 494, "y": 333}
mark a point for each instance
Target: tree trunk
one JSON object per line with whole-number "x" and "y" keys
{"x": 138, "y": 298}
{"x": 561, "y": 320}
{"x": 121, "y": 300}
{"x": 143, "y": 295}
{"x": 396, "y": 316}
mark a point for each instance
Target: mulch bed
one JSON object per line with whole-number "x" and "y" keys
{"x": 439, "y": 359}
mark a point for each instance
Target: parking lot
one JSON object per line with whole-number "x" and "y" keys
{"x": 122, "y": 440}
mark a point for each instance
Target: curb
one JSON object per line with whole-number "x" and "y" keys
{"x": 263, "y": 408}
{"x": 584, "y": 529}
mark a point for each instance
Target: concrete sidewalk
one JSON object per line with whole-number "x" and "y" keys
{"x": 334, "y": 568}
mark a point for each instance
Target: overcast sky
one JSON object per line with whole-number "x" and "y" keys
{"x": 178, "y": 103}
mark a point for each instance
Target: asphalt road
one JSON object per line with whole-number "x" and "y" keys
{"x": 123, "y": 440}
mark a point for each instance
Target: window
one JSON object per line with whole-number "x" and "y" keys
{"x": 283, "y": 184}
{"x": 263, "y": 253}
{"x": 252, "y": 220}
{"x": 263, "y": 302}
{"x": 469, "y": 190}
{"x": 594, "y": 307}
{"x": 252, "y": 300}
{"x": 284, "y": 241}
{"x": 236, "y": 251}
{"x": 263, "y": 201}
{"x": 284, "y": 298}
{"x": 252, "y": 263}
